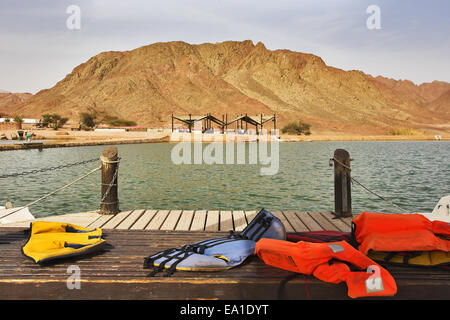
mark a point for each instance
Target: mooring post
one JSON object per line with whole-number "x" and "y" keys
{"x": 261, "y": 123}
{"x": 190, "y": 123}
{"x": 342, "y": 184}
{"x": 110, "y": 168}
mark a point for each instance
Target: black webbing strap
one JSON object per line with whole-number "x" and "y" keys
{"x": 149, "y": 260}
{"x": 410, "y": 255}
{"x": 200, "y": 247}
{"x": 353, "y": 241}
{"x": 169, "y": 257}
{"x": 389, "y": 256}
{"x": 262, "y": 228}
{"x": 178, "y": 259}
{"x": 255, "y": 221}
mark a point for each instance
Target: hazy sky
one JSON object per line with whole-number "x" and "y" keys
{"x": 38, "y": 49}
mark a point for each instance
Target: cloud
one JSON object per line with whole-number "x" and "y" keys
{"x": 39, "y": 50}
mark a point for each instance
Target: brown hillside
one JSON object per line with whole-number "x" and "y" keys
{"x": 441, "y": 105}
{"x": 10, "y": 100}
{"x": 150, "y": 83}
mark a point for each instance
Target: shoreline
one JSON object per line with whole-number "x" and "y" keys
{"x": 313, "y": 138}
{"x": 65, "y": 144}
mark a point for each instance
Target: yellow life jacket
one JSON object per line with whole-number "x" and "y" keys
{"x": 54, "y": 240}
{"x": 412, "y": 258}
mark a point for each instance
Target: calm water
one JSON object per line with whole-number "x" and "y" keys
{"x": 413, "y": 175}
{"x": 5, "y": 142}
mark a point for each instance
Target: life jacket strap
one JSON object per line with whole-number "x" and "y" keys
{"x": 174, "y": 256}
{"x": 182, "y": 254}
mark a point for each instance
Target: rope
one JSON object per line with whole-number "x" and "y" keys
{"x": 53, "y": 192}
{"x": 112, "y": 181}
{"x": 366, "y": 188}
{"x": 47, "y": 169}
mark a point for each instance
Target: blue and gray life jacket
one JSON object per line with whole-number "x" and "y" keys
{"x": 218, "y": 253}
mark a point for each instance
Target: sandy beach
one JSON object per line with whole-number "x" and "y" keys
{"x": 63, "y": 138}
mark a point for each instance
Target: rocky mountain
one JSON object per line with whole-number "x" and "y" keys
{"x": 150, "y": 83}
{"x": 441, "y": 104}
{"x": 9, "y": 101}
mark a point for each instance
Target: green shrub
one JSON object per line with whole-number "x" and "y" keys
{"x": 53, "y": 120}
{"x": 87, "y": 119}
{"x": 402, "y": 131}
{"x": 117, "y": 122}
{"x": 297, "y": 128}
{"x": 18, "y": 119}
{"x": 46, "y": 120}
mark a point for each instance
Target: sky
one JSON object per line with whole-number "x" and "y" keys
{"x": 40, "y": 41}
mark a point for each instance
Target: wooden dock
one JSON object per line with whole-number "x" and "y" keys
{"x": 117, "y": 272}
{"x": 196, "y": 220}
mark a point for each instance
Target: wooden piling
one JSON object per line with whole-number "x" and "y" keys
{"x": 110, "y": 165}
{"x": 342, "y": 184}
{"x": 261, "y": 122}
{"x": 190, "y": 123}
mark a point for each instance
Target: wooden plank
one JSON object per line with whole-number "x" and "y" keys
{"x": 130, "y": 220}
{"x": 287, "y": 225}
{"x": 239, "y": 220}
{"x": 348, "y": 220}
{"x": 212, "y": 221}
{"x": 116, "y": 220}
{"x": 341, "y": 225}
{"x": 171, "y": 220}
{"x": 82, "y": 219}
{"x": 158, "y": 220}
{"x": 185, "y": 220}
{"x": 104, "y": 218}
{"x": 295, "y": 222}
{"x": 322, "y": 221}
{"x": 250, "y": 215}
{"x": 118, "y": 273}
{"x": 226, "y": 221}
{"x": 144, "y": 220}
{"x": 308, "y": 221}
{"x": 199, "y": 220}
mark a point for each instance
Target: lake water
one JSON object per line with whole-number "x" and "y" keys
{"x": 414, "y": 175}
{"x": 5, "y": 142}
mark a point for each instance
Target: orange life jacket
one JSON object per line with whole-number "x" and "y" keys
{"x": 399, "y": 232}
{"x": 318, "y": 259}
